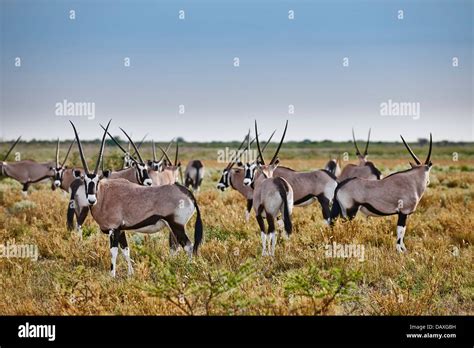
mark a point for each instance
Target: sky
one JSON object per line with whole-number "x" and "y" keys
{"x": 289, "y": 68}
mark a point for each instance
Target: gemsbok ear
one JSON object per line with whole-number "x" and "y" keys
{"x": 76, "y": 173}
{"x": 179, "y": 164}
{"x": 239, "y": 164}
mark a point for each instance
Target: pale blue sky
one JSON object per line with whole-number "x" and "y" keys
{"x": 283, "y": 62}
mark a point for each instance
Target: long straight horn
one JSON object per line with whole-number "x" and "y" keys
{"x": 11, "y": 148}
{"x": 176, "y": 154}
{"x": 279, "y": 145}
{"x": 164, "y": 154}
{"x": 231, "y": 163}
{"x": 68, "y": 151}
{"x": 154, "y": 150}
{"x": 367, "y": 144}
{"x": 81, "y": 152}
{"x": 428, "y": 158}
{"x": 166, "y": 150}
{"x": 410, "y": 151}
{"x": 268, "y": 141}
{"x": 355, "y": 142}
{"x": 116, "y": 142}
{"x": 57, "y": 153}
{"x": 248, "y": 141}
{"x": 134, "y": 146}
{"x": 140, "y": 143}
{"x": 101, "y": 151}
{"x": 258, "y": 144}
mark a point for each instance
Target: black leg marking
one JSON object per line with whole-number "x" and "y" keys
{"x": 114, "y": 242}
{"x": 25, "y": 187}
{"x": 249, "y": 205}
{"x": 271, "y": 223}
{"x": 173, "y": 241}
{"x": 122, "y": 240}
{"x": 324, "y": 205}
{"x": 180, "y": 232}
{"x": 260, "y": 221}
{"x": 352, "y": 212}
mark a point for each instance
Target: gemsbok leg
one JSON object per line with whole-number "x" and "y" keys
{"x": 401, "y": 226}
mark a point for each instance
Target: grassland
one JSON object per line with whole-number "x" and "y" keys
{"x": 229, "y": 277}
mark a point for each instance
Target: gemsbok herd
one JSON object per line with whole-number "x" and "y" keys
{"x": 145, "y": 195}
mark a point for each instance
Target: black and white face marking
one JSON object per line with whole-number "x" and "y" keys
{"x": 224, "y": 181}
{"x": 58, "y": 176}
{"x": 157, "y": 166}
{"x": 142, "y": 174}
{"x": 249, "y": 169}
{"x": 91, "y": 181}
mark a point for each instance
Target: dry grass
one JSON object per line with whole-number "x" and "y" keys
{"x": 230, "y": 277}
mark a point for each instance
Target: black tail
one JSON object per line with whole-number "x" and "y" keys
{"x": 335, "y": 211}
{"x": 197, "y": 228}
{"x": 283, "y": 190}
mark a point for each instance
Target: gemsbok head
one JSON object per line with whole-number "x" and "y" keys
{"x": 157, "y": 164}
{"x": 63, "y": 174}
{"x": 365, "y": 169}
{"x": 397, "y": 194}
{"x": 138, "y": 172}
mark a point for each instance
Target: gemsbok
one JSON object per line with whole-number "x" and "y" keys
{"x": 118, "y": 205}
{"x": 169, "y": 172}
{"x": 157, "y": 164}
{"x": 364, "y": 170}
{"x": 138, "y": 172}
{"x": 307, "y": 186}
{"x": 271, "y": 196}
{"x": 127, "y": 157}
{"x": 396, "y": 194}
{"x": 234, "y": 177}
{"x": 26, "y": 172}
{"x": 194, "y": 174}
{"x": 64, "y": 176}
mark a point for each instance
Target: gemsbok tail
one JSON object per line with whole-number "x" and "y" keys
{"x": 198, "y": 228}
{"x": 283, "y": 190}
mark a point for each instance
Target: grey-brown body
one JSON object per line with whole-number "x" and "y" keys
{"x": 398, "y": 193}
{"x": 27, "y": 172}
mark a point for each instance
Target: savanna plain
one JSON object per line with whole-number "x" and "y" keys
{"x": 229, "y": 276}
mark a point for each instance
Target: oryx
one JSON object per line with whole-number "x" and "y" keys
{"x": 64, "y": 176}
{"x": 194, "y": 174}
{"x": 307, "y": 186}
{"x": 271, "y": 196}
{"x": 127, "y": 157}
{"x": 26, "y": 172}
{"x": 118, "y": 205}
{"x": 399, "y": 193}
{"x": 234, "y": 177}
{"x": 169, "y": 171}
{"x": 138, "y": 172}
{"x": 365, "y": 169}
{"x": 157, "y": 164}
